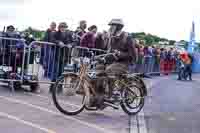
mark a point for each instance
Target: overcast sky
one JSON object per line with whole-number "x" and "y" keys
{"x": 167, "y": 18}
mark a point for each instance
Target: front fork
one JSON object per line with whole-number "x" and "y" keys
{"x": 89, "y": 90}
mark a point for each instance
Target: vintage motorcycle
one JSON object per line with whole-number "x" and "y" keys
{"x": 128, "y": 91}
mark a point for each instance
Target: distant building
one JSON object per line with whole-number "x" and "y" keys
{"x": 163, "y": 43}
{"x": 180, "y": 43}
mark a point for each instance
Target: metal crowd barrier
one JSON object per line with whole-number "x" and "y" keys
{"x": 49, "y": 60}
{"x": 12, "y": 60}
{"x": 44, "y": 62}
{"x": 155, "y": 66}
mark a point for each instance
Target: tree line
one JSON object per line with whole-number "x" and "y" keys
{"x": 148, "y": 39}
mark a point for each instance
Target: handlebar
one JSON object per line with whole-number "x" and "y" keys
{"x": 93, "y": 60}
{"x": 102, "y": 58}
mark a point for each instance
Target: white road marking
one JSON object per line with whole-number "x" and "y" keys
{"x": 142, "y": 124}
{"x": 133, "y": 126}
{"x": 56, "y": 113}
{"x": 50, "y": 99}
{"x": 26, "y": 122}
{"x": 47, "y": 98}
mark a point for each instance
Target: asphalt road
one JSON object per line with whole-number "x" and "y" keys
{"x": 173, "y": 108}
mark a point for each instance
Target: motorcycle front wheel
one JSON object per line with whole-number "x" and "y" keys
{"x": 67, "y": 95}
{"x": 133, "y": 100}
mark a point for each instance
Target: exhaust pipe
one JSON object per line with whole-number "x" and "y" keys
{"x": 111, "y": 105}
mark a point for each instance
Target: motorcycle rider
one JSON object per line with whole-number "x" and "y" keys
{"x": 123, "y": 47}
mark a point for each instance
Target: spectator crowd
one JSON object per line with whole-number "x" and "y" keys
{"x": 150, "y": 59}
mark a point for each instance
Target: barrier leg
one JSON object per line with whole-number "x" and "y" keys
{"x": 11, "y": 85}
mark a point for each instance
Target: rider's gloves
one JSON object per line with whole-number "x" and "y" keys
{"x": 116, "y": 54}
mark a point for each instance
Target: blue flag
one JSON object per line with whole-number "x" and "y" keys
{"x": 192, "y": 44}
{"x": 191, "y": 49}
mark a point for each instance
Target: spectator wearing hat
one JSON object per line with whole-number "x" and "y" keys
{"x": 50, "y": 33}
{"x": 47, "y": 51}
{"x": 63, "y": 37}
{"x": 11, "y": 57}
{"x": 10, "y": 29}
